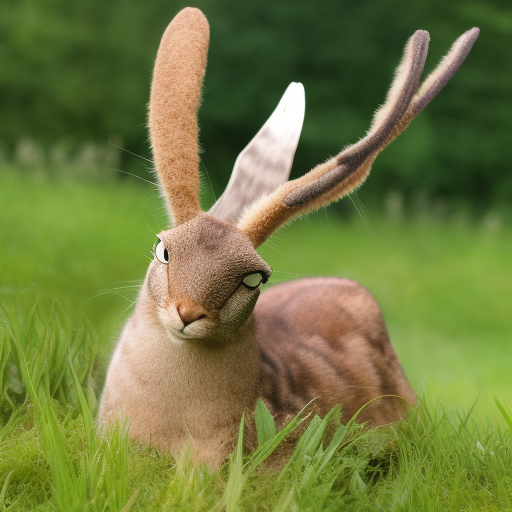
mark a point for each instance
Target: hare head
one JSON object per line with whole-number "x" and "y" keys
{"x": 205, "y": 276}
{"x": 205, "y": 279}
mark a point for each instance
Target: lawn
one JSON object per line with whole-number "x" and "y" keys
{"x": 74, "y": 251}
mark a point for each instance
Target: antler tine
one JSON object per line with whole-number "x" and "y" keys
{"x": 175, "y": 97}
{"x": 320, "y": 186}
{"x": 441, "y": 75}
{"x": 432, "y": 85}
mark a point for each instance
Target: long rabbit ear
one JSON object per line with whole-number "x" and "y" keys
{"x": 265, "y": 163}
{"x": 175, "y": 97}
{"x": 340, "y": 175}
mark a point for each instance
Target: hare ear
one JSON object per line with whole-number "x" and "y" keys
{"x": 265, "y": 163}
{"x": 175, "y": 96}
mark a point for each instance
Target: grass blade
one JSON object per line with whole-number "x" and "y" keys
{"x": 3, "y": 492}
{"x": 265, "y": 426}
{"x": 131, "y": 502}
{"x": 505, "y": 412}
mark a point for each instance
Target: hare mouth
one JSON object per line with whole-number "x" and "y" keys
{"x": 177, "y": 330}
{"x": 186, "y": 333}
{"x": 177, "y": 335}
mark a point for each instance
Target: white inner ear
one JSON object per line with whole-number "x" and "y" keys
{"x": 286, "y": 121}
{"x": 266, "y": 162}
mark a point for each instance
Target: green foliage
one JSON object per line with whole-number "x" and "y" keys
{"x": 505, "y": 412}
{"x": 56, "y": 401}
{"x": 264, "y": 423}
{"x": 79, "y": 71}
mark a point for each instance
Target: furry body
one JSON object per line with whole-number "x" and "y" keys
{"x": 181, "y": 384}
{"x": 200, "y": 348}
{"x": 338, "y": 354}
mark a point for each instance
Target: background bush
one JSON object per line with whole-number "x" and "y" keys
{"x": 80, "y": 71}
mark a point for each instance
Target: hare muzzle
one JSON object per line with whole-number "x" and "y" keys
{"x": 190, "y": 312}
{"x": 185, "y": 321}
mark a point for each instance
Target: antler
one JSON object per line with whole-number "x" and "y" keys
{"x": 175, "y": 97}
{"x": 340, "y": 175}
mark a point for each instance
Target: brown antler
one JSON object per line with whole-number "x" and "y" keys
{"x": 340, "y": 175}
{"x": 175, "y": 97}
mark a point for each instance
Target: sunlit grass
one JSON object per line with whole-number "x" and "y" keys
{"x": 53, "y": 458}
{"x": 82, "y": 248}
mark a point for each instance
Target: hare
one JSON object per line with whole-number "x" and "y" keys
{"x": 201, "y": 345}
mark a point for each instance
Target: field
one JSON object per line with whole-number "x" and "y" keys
{"x": 74, "y": 251}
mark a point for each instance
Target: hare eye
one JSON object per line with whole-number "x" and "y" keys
{"x": 161, "y": 253}
{"x": 253, "y": 280}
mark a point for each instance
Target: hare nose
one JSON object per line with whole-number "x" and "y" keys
{"x": 190, "y": 312}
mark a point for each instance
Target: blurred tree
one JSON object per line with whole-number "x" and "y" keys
{"x": 81, "y": 70}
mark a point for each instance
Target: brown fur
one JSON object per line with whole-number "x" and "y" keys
{"x": 199, "y": 349}
{"x": 338, "y": 353}
{"x": 175, "y": 96}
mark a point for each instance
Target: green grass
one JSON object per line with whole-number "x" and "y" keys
{"x": 73, "y": 253}
{"x": 52, "y": 457}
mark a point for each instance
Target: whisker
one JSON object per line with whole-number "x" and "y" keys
{"x": 209, "y": 180}
{"x": 130, "y": 152}
{"x": 275, "y": 239}
{"x": 131, "y": 301}
{"x": 364, "y": 219}
{"x": 142, "y": 254}
{"x": 128, "y": 282}
{"x": 365, "y": 208}
{"x": 109, "y": 292}
{"x": 327, "y": 216}
{"x": 126, "y": 309}
{"x": 274, "y": 248}
{"x": 274, "y": 242}
{"x": 117, "y": 243}
{"x": 135, "y": 176}
{"x": 132, "y": 237}
{"x": 289, "y": 273}
{"x": 154, "y": 218}
{"x": 127, "y": 287}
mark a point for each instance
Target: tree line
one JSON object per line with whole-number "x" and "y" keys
{"x": 80, "y": 71}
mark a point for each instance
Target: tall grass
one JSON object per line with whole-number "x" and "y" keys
{"x": 444, "y": 284}
{"x": 53, "y": 458}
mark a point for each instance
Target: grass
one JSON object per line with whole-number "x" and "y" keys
{"x": 444, "y": 285}
{"x": 52, "y": 457}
